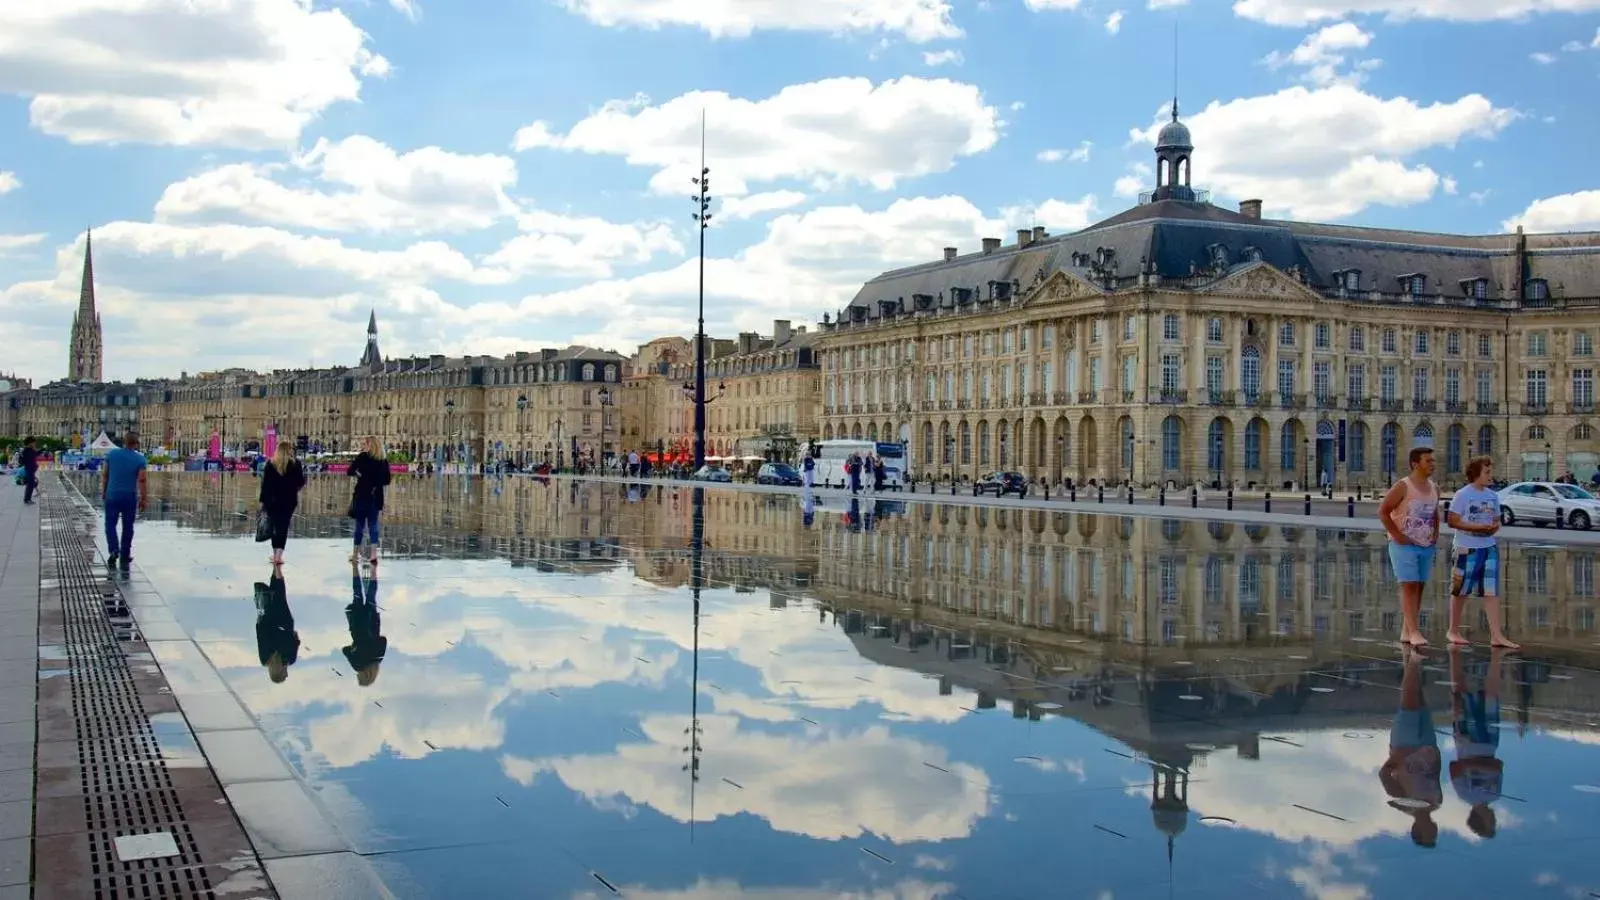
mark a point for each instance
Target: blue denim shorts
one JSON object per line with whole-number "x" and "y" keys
{"x": 1411, "y": 564}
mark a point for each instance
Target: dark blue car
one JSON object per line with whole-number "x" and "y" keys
{"x": 778, "y": 473}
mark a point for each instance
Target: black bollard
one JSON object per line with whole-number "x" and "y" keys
{"x": 1161, "y": 497}
{"x": 1047, "y": 490}
{"x": 1350, "y": 508}
{"x": 1560, "y": 519}
{"x": 1230, "y": 498}
{"x": 1269, "y": 501}
{"x": 1308, "y": 504}
{"x": 1194, "y": 497}
{"x": 1072, "y": 493}
{"x": 952, "y": 487}
{"x": 1102, "y": 494}
{"x": 1130, "y": 495}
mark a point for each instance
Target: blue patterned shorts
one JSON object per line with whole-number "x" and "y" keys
{"x": 1476, "y": 572}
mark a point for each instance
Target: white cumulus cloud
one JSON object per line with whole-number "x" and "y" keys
{"x": 1542, "y": 58}
{"x": 1329, "y": 153}
{"x": 13, "y": 242}
{"x": 1578, "y": 211}
{"x": 943, "y": 57}
{"x": 916, "y": 20}
{"x": 1079, "y": 153}
{"x": 1114, "y": 22}
{"x": 759, "y": 204}
{"x": 1056, "y": 215}
{"x": 1037, "y": 5}
{"x": 835, "y": 131}
{"x": 1309, "y": 12}
{"x": 9, "y": 182}
{"x": 236, "y": 73}
{"x": 1322, "y": 55}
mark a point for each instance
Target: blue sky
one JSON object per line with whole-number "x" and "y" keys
{"x": 514, "y": 174}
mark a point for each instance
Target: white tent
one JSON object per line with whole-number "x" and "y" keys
{"x": 101, "y": 444}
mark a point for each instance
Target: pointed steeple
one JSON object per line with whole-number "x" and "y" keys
{"x": 372, "y": 357}
{"x": 84, "y": 362}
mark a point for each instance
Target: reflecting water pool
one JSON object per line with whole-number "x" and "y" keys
{"x": 569, "y": 690}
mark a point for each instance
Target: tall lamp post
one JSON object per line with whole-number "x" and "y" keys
{"x": 449, "y": 429}
{"x": 333, "y": 430}
{"x": 522, "y": 452}
{"x": 605, "y": 403}
{"x": 383, "y": 437}
{"x": 702, "y": 216}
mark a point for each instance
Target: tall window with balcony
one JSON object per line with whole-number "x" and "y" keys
{"x": 1322, "y": 336}
{"x": 1391, "y": 441}
{"x": 1582, "y": 343}
{"x": 1008, "y": 342}
{"x": 1537, "y": 343}
{"x": 1452, "y": 343}
{"x": 1213, "y": 331}
{"x": 1170, "y": 329}
{"x": 1388, "y": 342}
{"x": 1097, "y": 329}
{"x": 1358, "y": 447}
{"x": 1583, "y": 390}
{"x": 1047, "y": 376}
{"x": 1095, "y": 380}
{"x": 1169, "y": 374}
{"x": 1536, "y": 390}
{"x": 1254, "y": 437}
{"x": 1452, "y": 386}
{"x": 1387, "y": 383}
{"x": 1356, "y": 382}
{"x": 1171, "y": 443}
{"x": 1286, "y": 447}
{"x": 1130, "y": 372}
{"x": 1419, "y": 342}
{"x": 1322, "y": 382}
{"x": 1485, "y": 345}
{"x": 1129, "y": 327}
{"x": 1047, "y": 338}
{"x": 1286, "y": 379}
{"x": 1358, "y": 339}
{"x": 1250, "y": 373}
{"x": 1214, "y": 378}
{"x": 1419, "y": 384}
{"x": 1485, "y": 387}
{"x": 1286, "y": 334}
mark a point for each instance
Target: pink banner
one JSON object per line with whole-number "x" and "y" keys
{"x": 344, "y": 468}
{"x": 269, "y": 442}
{"x": 216, "y": 445}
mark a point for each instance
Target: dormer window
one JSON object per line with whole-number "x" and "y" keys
{"x": 1219, "y": 255}
{"x": 1538, "y": 289}
{"x": 1476, "y": 288}
{"x": 1000, "y": 290}
{"x": 1352, "y": 280}
{"x": 1413, "y": 284}
{"x": 962, "y": 296}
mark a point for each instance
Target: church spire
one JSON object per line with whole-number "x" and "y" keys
{"x": 86, "y": 349}
{"x": 372, "y": 357}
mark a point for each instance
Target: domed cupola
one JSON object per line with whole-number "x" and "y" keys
{"x": 1173, "y": 149}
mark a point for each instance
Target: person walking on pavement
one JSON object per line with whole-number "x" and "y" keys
{"x": 281, "y": 481}
{"x": 1410, "y": 514}
{"x": 808, "y": 471}
{"x": 878, "y": 474}
{"x": 123, "y": 491}
{"x": 371, "y": 471}
{"x": 29, "y": 460}
{"x": 853, "y": 469}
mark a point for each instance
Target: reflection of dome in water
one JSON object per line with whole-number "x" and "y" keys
{"x": 1171, "y": 817}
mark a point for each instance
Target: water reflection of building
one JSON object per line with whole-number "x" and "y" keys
{"x": 1167, "y": 583}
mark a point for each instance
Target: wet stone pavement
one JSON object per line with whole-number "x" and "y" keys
{"x": 588, "y": 690}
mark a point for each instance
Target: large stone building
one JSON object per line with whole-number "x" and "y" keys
{"x": 1179, "y": 341}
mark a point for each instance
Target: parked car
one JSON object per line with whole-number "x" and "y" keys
{"x": 1001, "y": 484}
{"x": 712, "y": 473}
{"x": 778, "y": 473}
{"x": 1537, "y": 502}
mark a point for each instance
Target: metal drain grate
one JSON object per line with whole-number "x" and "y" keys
{"x": 127, "y": 786}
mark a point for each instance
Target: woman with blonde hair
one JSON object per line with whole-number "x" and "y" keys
{"x": 281, "y": 481}
{"x": 370, "y": 469}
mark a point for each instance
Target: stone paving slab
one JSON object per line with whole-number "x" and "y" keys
{"x": 19, "y": 628}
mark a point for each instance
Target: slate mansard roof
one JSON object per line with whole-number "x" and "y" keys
{"x": 1181, "y": 243}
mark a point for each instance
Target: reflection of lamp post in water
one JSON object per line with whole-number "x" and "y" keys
{"x": 605, "y": 404}
{"x": 696, "y": 582}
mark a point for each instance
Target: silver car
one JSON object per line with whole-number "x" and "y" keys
{"x": 1543, "y": 502}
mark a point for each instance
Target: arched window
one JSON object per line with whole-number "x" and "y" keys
{"x": 1453, "y": 438}
{"x": 1286, "y": 448}
{"x": 855, "y": 432}
{"x": 1391, "y": 443}
{"x": 1216, "y": 445}
{"x": 1250, "y": 374}
{"x": 1536, "y": 433}
{"x": 1486, "y": 440}
{"x": 588, "y": 371}
{"x": 1003, "y": 436}
{"x": 1358, "y": 447}
{"x": 872, "y": 431}
{"x": 1127, "y": 446}
{"x": 1422, "y": 436}
{"x": 966, "y": 444}
{"x": 1255, "y": 435}
{"x": 611, "y": 373}
{"x": 1171, "y": 443}
{"x": 927, "y": 443}
{"x": 946, "y": 443}
{"x": 983, "y": 443}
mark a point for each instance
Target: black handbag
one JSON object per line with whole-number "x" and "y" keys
{"x": 263, "y": 527}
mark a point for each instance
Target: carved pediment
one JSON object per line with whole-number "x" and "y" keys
{"x": 1062, "y": 287}
{"x": 1262, "y": 280}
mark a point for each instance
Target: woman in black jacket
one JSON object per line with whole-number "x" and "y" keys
{"x": 281, "y": 482}
{"x": 371, "y": 471}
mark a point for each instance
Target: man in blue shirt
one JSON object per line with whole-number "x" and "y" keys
{"x": 122, "y": 487}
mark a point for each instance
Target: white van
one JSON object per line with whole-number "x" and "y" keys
{"x": 832, "y": 455}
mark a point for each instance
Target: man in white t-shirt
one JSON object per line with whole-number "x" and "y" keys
{"x": 1475, "y": 516}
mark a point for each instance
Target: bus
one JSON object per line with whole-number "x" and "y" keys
{"x": 831, "y": 457}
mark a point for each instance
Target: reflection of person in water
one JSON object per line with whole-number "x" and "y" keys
{"x": 1477, "y": 771}
{"x": 367, "y": 643}
{"x": 1411, "y": 773}
{"x": 276, "y": 640}
{"x": 808, "y": 507}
